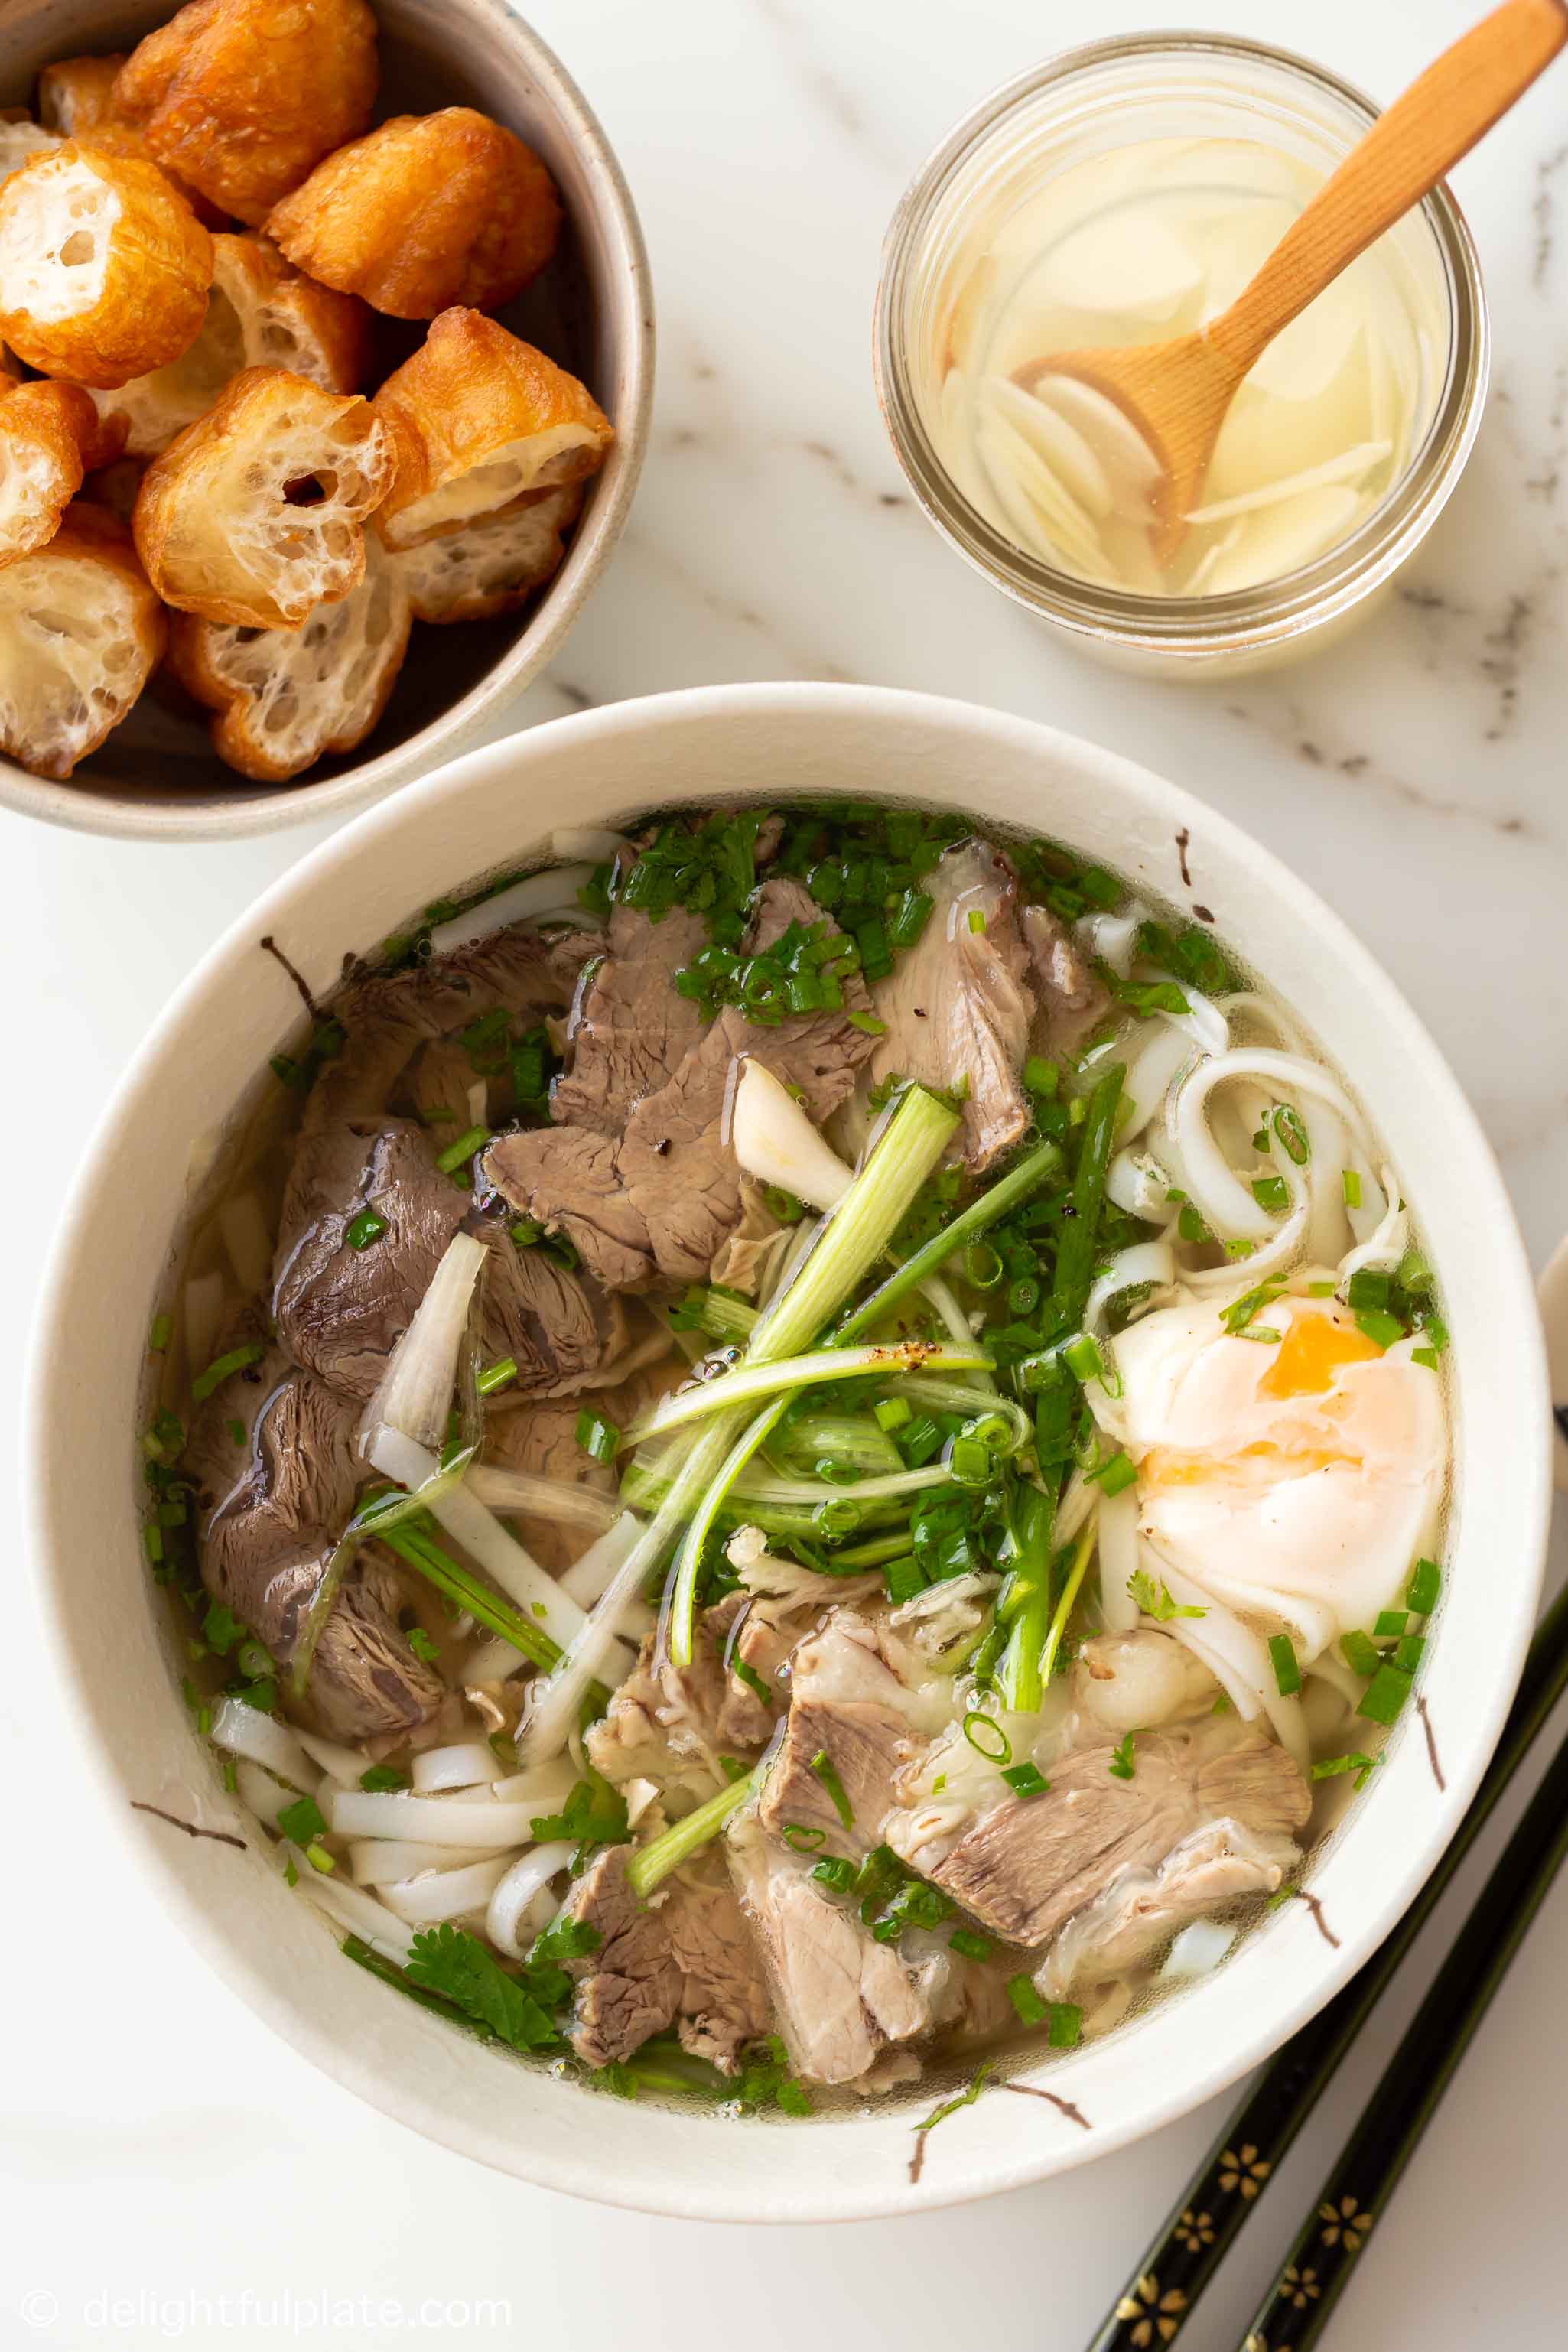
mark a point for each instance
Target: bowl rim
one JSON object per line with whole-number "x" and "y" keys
{"x": 85, "y": 807}
{"x": 790, "y": 2191}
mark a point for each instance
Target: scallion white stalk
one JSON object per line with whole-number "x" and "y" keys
{"x": 751, "y": 1383}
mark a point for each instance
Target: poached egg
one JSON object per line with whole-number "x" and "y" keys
{"x": 1294, "y": 1479}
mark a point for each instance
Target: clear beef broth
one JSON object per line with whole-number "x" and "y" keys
{"x": 717, "y": 1724}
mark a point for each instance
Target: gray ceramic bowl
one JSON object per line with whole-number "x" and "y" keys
{"x": 157, "y": 777}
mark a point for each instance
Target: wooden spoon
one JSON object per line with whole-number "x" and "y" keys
{"x": 1176, "y": 393}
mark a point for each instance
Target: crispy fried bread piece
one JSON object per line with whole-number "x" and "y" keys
{"x": 479, "y": 419}
{"x": 242, "y": 98}
{"x": 20, "y": 137}
{"x": 254, "y": 513}
{"x": 76, "y": 94}
{"x": 285, "y": 697}
{"x": 429, "y": 210}
{"x": 80, "y": 634}
{"x": 50, "y": 435}
{"x": 104, "y": 268}
{"x": 495, "y": 565}
{"x": 261, "y": 313}
{"x": 76, "y": 99}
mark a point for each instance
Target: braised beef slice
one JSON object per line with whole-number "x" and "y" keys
{"x": 271, "y": 1506}
{"x": 631, "y": 1027}
{"x": 542, "y": 1442}
{"x": 1142, "y": 1910}
{"x": 662, "y": 1199}
{"x": 841, "y": 1997}
{"x": 958, "y": 1005}
{"x": 1025, "y": 1868}
{"x": 630, "y": 1986}
{"x": 846, "y": 1707}
{"x": 340, "y": 1311}
{"x": 388, "y": 1017}
{"x": 1072, "y": 998}
{"x": 686, "y": 1960}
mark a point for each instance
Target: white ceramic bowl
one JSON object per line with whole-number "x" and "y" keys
{"x": 719, "y": 744}
{"x": 157, "y": 777}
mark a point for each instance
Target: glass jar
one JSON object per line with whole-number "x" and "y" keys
{"x": 1083, "y": 104}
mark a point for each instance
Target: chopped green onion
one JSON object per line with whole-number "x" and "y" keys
{"x": 1031, "y": 2009}
{"x": 995, "y": 1747}
{"x": 1041, "y": 1078}
{"x": 1287, "y": 1125}
{"x": 982, "y": 1267}
{"x": 457, "y": 1155}
{"x": 1408, "y": 1651}
{"x": 1025, "y": 1779}
{"x": 363, "y": 1230}
{"x": 976, "y": 920}
{"x": 826, "y": 1771}
{"x": 1350, "y": 1185}
{"x": 1270, "y": 1192}
{"x": 381, "y": 1779}
{"x": 598, "y": 1438}
{"x": 1426, "y": 1357}
{"x": 1382, "y": 1329}
{"x": 1067, "y": 2025}
{"x": 496, "y": 1376}
{"x": 1359, "y": 1653}
{"x": 836, "y": 1872}
{"x": 218, "y": 1371}
{"x": 970, "y": 1945}
{"x": 1287, "y": 1666}
{"x": 804, "y": 1838}
{"x": 1421, "y": 1592}
{"x": 892, "y": 1412}
{"x": 1115, "y": 1475}
{"x": 1391, "y": 1622}
{"x": 1385, "y": 1694}
{"x": 1122, "y": 1765}
{"x": 868, "y": 1023}
{"x": 159, "y": 1336}
{"x": 1329, "y": 1767}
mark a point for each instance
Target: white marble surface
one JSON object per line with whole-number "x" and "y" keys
{"x": 160, "y": 2149}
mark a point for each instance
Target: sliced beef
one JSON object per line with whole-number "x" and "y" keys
{"x": 631, "y": 1027}
{"x": 389, "y": 1016}
{"x": 340, "y": 1311}
{"x": 1141, "y": 1910}
{"x": 273, "y": 1501}
{"x": 1071, "y": 996}
{"x": 542, "y": 1442}
{"x": 660, "y": 1201}
{"x": 850, "y": 1709}
{"x": 724, "y": 2000}
{"x": 958, "y": 1005}
{"x": 697, "y": 1712}
{"x": 841, "y": 1997}
{"x": 686, "y": 1960}
{"x": 569, "y": 1179}
{"x": 630, "y": 1986}
{"x": 1027, "y": 1866}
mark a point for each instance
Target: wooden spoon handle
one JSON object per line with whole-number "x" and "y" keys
{"x": 1423, "y": 134}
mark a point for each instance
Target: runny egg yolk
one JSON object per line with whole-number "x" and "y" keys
{"x": 1311, "y": 1351}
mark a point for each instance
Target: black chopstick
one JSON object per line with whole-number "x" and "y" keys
{"x": 1416, "y": 2076}
{"x": 1158, "y": 2299}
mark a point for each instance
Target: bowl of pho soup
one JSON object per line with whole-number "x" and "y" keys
{"x": 863, "y": 1425}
